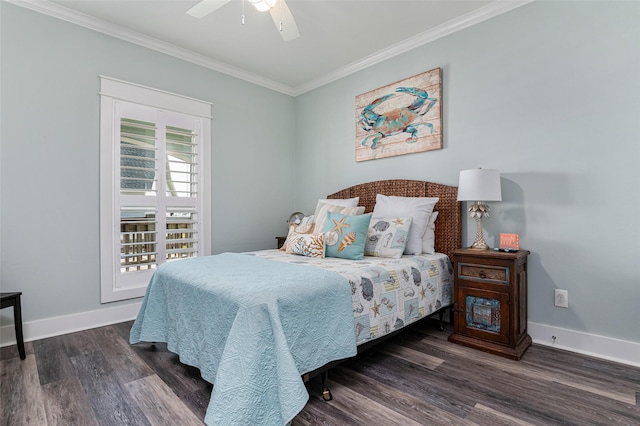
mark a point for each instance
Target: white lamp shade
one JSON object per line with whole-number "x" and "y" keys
{"x": 479, "y": 185}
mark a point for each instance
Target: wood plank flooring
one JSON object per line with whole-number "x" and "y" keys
{"x": 95, "y": 377}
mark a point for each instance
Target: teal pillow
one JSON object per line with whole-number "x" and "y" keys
{"x": 345, "y": 236}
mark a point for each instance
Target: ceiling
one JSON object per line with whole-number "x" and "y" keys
{"x": 337, "y": 38}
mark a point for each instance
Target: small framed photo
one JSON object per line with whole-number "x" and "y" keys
{"x": 509, "y": 242}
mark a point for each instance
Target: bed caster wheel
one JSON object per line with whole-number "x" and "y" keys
{"x": 326, "y": 394}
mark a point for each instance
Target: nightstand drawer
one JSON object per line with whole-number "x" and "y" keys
{"x": 488, "y": 273}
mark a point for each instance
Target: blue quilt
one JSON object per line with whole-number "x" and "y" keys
{"x": 252, "y": 326}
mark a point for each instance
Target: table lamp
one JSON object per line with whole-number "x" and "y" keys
{"x": 479, "y": 185}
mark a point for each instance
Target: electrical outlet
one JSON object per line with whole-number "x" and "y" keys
{"x": 562, "y": 298}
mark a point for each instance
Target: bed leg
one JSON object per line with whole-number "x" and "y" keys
{"x": 441, "y": 321}
{"x": 326, "y": 393}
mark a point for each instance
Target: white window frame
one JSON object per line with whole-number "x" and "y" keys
{"x": 114, "y": 92}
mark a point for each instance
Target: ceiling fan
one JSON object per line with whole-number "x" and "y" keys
{"x": 278, "y": 9}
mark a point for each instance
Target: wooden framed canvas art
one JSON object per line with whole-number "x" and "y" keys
{"x": 400, "y": 118}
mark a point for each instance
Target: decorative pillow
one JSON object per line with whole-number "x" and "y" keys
{"x": 429, "y": 236}
{"x": 418, "y": 208}
{"x": 345, "y": 235}
{"x": 304, "y": 227}
{"x": 344, "y": 202}
{"x": 387, "y": 236}
{"x": 322, "y": 209}
{"x": 311, "y": 245}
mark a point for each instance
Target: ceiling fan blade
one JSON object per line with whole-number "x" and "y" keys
{"x": 280, "y": 13}
{"x": 205, "y": 7}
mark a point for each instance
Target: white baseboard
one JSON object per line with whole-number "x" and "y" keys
{"x": 616, "y": 350}
{"x": 40, "y": 329}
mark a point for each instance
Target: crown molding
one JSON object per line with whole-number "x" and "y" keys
{"x": 63, "y": 13}
{"x": 60, "y": 12}
{"x": 487, "y": 12}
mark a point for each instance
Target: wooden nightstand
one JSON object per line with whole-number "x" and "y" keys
{"x": 490, "y": 301}
{"x": 281, "y": 240}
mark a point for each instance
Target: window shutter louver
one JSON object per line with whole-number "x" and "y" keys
{"x": 138, "y": 239}
{"x": 182, "y": 234}
{"x": 181, "y": 162}
{"x": 137, "y": 156}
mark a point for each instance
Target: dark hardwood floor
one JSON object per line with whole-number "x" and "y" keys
{"x": 95, "y": 377}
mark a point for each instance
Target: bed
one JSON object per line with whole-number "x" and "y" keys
{"x": 256, "y": 323}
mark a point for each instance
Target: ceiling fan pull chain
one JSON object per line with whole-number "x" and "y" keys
{"x": 280, "y": 16}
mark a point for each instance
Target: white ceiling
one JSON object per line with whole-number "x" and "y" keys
{"x": 336, "y": 37}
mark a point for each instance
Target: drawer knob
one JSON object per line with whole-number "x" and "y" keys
{"x": 482, "y": 274}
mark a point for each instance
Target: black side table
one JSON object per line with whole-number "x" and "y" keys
{"x": 13, "y": 299}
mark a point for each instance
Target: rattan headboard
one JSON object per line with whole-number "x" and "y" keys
{"x": 449, "y": 222}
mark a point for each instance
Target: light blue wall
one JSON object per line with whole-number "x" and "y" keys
{"x": 549, "y": 94}
{"x": 50, "y": 156}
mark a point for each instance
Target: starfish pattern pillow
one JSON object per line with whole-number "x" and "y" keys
{"x": 344, "y": 235}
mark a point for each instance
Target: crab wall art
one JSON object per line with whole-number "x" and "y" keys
{"x": 400, "y": 118}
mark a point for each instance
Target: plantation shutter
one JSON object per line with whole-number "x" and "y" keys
{"x": 157, "y": 203}
{"x": 154, "y": 184}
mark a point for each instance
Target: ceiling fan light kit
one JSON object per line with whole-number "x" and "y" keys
{"x": 281, "y": 15}
{"x": 263, "y": 5}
